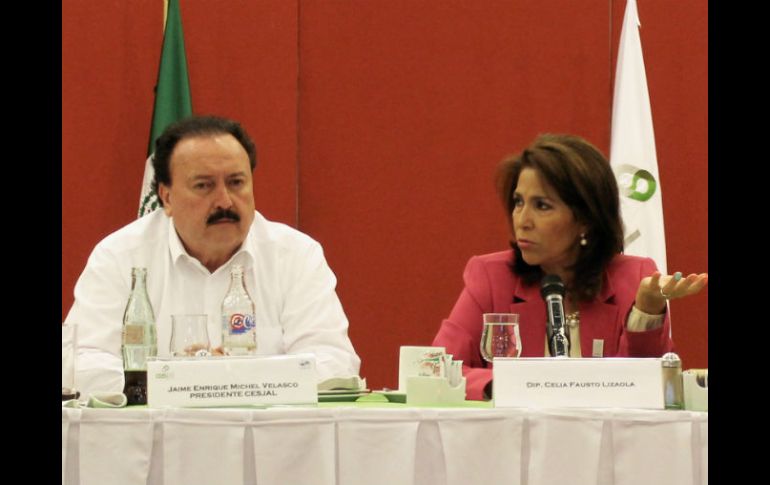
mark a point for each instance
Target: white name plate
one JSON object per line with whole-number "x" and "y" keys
{"x": 578, "y": 383}
{"x": 232, "y": 381}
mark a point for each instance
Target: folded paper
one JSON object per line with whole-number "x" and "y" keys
{"x": 578, "y": 383}
{"x": 232, "y": 381}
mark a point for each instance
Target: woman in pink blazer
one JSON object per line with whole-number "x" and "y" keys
{"x": 565, "y": 220}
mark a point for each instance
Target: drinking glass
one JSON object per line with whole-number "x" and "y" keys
{"x": 68, "y": 349}
{"x": 500, "y": 336}
{"x": 189, "y": 336}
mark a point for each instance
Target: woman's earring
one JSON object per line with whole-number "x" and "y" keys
{"x": 583, "y": 240}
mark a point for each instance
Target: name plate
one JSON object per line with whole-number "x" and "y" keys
{"x": 578, "y": 383}
{"x": 232, "y": 381}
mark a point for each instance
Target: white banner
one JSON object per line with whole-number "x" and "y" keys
{"x": 632, "y": 149}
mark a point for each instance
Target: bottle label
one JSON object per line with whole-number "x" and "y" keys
{"x": 133, "y": 334}
{"x": 240, "y": 324}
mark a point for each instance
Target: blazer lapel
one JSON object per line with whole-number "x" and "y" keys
{"x": 528, "y": 303}
{"x": 598, "y": 321}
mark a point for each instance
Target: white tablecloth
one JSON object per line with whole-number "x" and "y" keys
{"x": 389, "y": 446}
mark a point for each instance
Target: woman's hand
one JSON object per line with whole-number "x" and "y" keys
{"x": 654, "y": 290}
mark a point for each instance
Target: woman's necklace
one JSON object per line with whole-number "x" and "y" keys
{"x": 573, "y": 319}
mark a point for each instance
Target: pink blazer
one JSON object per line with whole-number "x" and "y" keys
{"x": 491, "y": 287}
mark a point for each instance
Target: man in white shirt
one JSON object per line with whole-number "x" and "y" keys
{"x": 203, "y": 178}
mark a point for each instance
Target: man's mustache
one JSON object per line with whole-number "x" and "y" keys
{"x": 222, "y": 214}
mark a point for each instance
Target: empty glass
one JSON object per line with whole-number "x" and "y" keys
{"x": 500, "y": 336}
{"x": 189, "y": 336}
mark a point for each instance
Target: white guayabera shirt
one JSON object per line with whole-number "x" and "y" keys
{"x": 293, "y": 288}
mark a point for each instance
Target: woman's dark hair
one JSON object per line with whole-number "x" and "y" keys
{"x": 582, "y": 177}
{"x": 191, "y": 127}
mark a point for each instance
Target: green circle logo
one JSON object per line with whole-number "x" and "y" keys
{"x": 636, "y": 183}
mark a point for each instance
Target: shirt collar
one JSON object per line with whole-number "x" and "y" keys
{"x": 246, "y": 253}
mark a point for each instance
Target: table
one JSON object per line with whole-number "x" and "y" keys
{"x": 389, "y": 444}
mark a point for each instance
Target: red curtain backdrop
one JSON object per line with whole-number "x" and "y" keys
{"x": 379, "y": 124}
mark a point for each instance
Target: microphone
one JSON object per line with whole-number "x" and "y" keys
{"x": 552, "y": 290}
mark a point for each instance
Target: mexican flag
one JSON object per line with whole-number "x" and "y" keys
{"x": 632, "y": 149}
{"x": 172, "y": 97}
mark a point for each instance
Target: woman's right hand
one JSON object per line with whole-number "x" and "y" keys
{"x": 656, "y": 289}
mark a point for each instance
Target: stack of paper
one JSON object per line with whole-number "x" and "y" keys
{"x": 347, "y": 388}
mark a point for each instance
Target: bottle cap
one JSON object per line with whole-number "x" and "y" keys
{"x": 671, "y": 360}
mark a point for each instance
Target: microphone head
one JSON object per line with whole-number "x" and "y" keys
{"x": 551, "y": 284}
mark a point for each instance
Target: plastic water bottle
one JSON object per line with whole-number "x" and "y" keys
{"x": 239, "y": 330}
{"x": 139, "y": 338}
